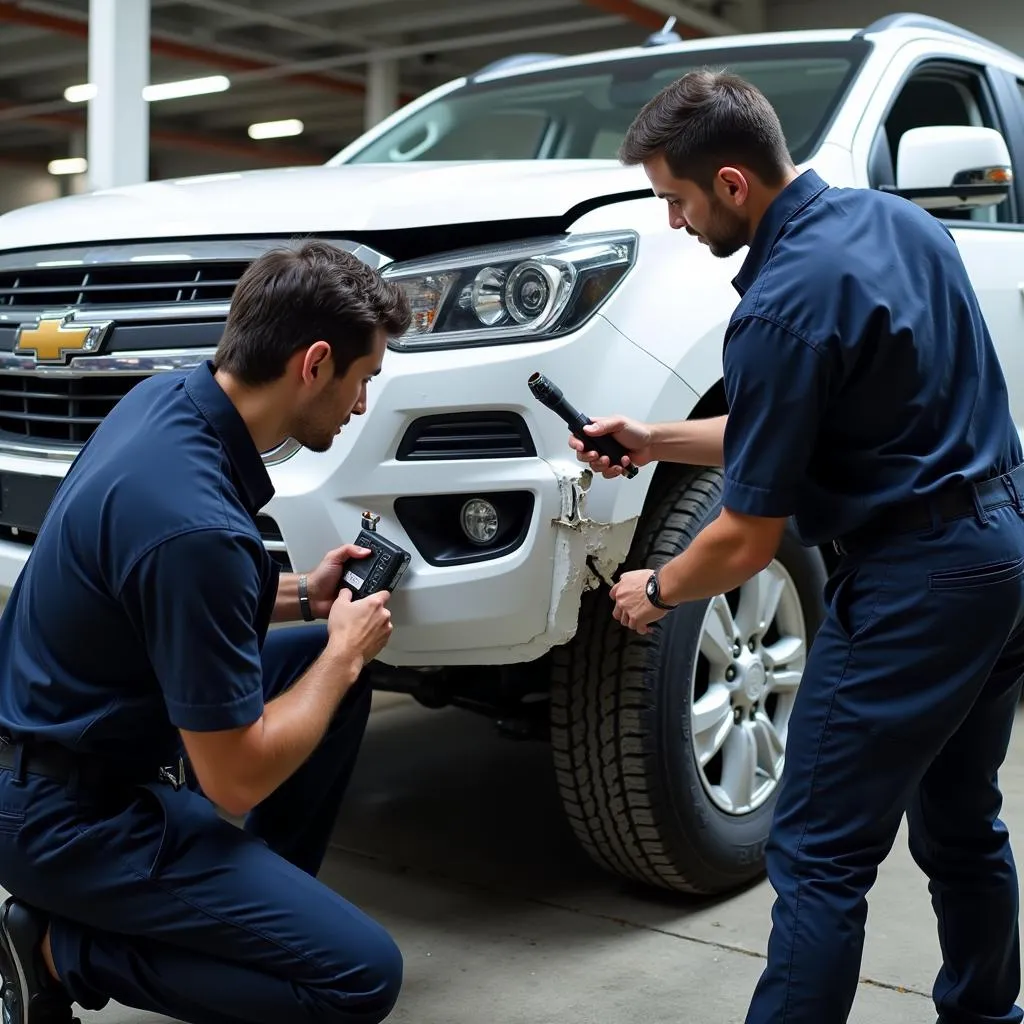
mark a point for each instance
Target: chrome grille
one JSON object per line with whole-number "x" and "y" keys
{"x": 186, "y": 286}
{"x": 58, "y": 410}
{"x": 120, "y": 285}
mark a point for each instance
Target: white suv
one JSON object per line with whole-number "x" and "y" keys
{"x": 498, "y": 202}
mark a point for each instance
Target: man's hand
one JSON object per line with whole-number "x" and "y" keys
{"x": 634, "y": 436}
{"x": 632, "y": 605}
{"x": 361, "y": 628}
{"x": 323, "y": 582}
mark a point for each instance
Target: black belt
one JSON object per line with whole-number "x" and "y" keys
{"x": 59, "y": 764}
{"x": 955, "y": 503}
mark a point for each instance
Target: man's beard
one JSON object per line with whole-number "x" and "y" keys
{"x": 315, "y": 437}
{"x": 727, "y": 232}
{"x": 319, "y": 442}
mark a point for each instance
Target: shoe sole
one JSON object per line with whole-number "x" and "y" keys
{"x": 10, "y": 966}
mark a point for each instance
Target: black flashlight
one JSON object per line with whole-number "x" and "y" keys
{"x": 548, "y": 394}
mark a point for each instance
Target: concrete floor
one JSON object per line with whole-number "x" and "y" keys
{"x": 454, "y": 840}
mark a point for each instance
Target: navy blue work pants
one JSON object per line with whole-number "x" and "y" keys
{"x": 905, "y": 707}
{"x": 161, "y": 904}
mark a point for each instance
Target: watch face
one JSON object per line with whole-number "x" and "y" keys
{"x": 652, "y": 587}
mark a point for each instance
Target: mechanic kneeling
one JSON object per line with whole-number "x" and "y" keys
{"x": 138, "y": 633}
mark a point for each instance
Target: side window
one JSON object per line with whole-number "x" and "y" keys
{"x": 938, "y": 94}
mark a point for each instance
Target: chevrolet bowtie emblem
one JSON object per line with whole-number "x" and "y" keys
{"x": 53, "y": 339}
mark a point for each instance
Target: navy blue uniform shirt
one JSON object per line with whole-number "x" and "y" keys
{"x": 858, "y": 368}
{"x": 147, "y": 596}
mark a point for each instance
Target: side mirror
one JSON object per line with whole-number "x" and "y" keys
{"x": 952, "y": 167}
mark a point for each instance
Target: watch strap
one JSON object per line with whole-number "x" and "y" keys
{"x": 304, "y": 606}
{"x": 655, "y": 598}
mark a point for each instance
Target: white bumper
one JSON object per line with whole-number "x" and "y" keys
{"x": 512, "y": 608}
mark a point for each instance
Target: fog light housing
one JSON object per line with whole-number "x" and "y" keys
{"x": 479, "y": 520}
{"x": 433, "y": 522}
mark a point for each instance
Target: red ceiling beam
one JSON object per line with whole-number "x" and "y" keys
{"x": 644, "y": 16}
{"x": 12, "y": 13}
{"x": 20, "y": 160}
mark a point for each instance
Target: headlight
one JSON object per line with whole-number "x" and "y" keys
{"x": 522, "y": 292}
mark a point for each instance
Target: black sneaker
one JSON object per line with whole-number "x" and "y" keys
{"x": 30, "y": 995}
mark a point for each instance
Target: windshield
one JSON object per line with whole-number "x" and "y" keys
{"x": 583, "y": 112}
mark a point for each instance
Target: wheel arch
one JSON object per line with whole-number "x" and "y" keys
{"x": 613, "y": 735}
{"x": 666, "y": 474}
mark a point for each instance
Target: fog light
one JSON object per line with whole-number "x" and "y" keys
{"x": 479, "y": 521}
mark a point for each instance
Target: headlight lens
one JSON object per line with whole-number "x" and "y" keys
{"x": 529, "y": 291}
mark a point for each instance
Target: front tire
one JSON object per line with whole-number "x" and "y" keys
{"x": 668, "y": 747}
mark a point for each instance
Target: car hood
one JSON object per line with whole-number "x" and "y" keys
{"x": 361, "y": 197}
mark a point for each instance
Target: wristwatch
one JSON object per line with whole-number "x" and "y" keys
{"x": 654, "y": 593}
{"x": 304, "y": 605}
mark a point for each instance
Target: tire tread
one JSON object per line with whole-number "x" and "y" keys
{"x": 600, "y": 702}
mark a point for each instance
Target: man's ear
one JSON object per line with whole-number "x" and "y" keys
{"x": 316, "y": 362}
{"x": 732, "y": 186}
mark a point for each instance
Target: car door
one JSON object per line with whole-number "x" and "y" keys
{"x": 993, "y": 251}
{"x": 927, "y": 88}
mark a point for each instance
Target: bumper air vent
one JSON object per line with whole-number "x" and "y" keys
{"x": 476, "y": 435}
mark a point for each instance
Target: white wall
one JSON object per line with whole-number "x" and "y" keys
{"x": 20, "y": 186}
{"x": 1002, "y": 21}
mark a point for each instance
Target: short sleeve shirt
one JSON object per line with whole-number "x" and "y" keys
{"x": 146, "y": 599}
{"x": 858, "y": 368}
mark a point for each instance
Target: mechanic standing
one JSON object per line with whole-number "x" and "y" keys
{"x": 864, "y": 400}
{"x": 138, "y": 632}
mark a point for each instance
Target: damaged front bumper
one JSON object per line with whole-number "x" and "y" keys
{"x": 587, "y": 552}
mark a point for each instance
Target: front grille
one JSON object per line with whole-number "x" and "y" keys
{"x": 476, "y": 435}
{"x": 274, "y": 542}
{"x": 61, "y": 410}
{"x": 121, "y": 285}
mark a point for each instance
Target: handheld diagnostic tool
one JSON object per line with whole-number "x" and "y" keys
{"x": 381, "y": 570}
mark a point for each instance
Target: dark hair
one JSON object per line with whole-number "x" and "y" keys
{"x": 289, "y": 298}
{"x": 707, "y": 120}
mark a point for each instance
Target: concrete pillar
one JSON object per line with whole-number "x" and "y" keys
{"x": 381, "y": 89}
{"x": 73, "y": 184}
{"x": 118, "y": 124}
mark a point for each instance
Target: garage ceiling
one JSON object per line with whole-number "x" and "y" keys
{"x": 305, "y": 59}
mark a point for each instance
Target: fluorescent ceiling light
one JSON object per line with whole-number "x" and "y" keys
{"x": 68, "y": 165}
{"x": 187, "y": 87}
{"x": 152, "y": 93}
{"x": 276, "y": 129}
{"x": 80, "y": 93}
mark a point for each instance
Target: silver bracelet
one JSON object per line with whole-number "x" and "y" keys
{"x": 304, "y": 605}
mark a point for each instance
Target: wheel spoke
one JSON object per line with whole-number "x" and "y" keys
{"x": 718, "y": 636}
{"x": 784, "y": 651}
{"x": 712, "y": 722}
{"x": 770, "y": 748}
{"x": 739, "y": 765}
{"x": 759, "y": 601}
{"x": 784, "y": 682}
